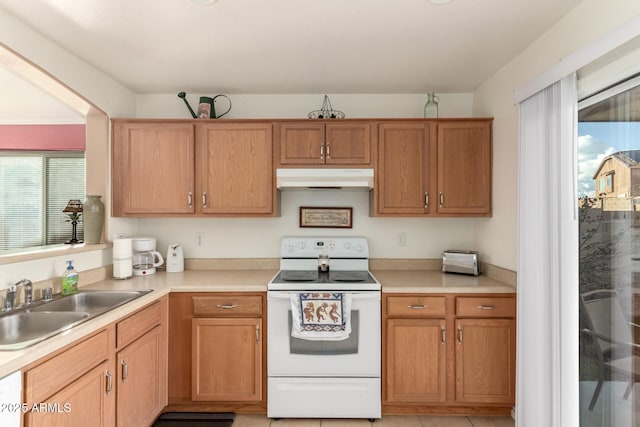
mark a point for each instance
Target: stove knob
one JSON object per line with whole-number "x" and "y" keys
{"x": 359, "y": 247}
{"x": 347, "y": 245}
{"x": 290, "y": 247}
{"x": 301, "y": 245}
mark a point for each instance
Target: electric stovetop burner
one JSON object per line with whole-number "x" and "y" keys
{"x": 293, "y": 276}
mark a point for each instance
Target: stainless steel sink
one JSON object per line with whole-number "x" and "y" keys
{"x": 29, "y": 325}
{"x": 90, "y": 301}
{"x": 22, "y": 329}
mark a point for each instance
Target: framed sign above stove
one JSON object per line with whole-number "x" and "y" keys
{"x": 321, "y": 217}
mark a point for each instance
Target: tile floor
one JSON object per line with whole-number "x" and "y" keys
{"x": 387, "y": 421}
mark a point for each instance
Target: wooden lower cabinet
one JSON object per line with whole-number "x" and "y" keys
{"x": 219, "y": 360}
{"x": 227, "y": 359}
{"x": 448, "y": 353}
{"x": 485, "y": 360}
{"x": 416, "y": 360}
{"x": 87, "y": 401}
{"x": 142, "y": 370}
{"x": 115, "y": 377}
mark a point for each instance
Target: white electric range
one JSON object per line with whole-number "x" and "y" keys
{"x": 324, "y": 378}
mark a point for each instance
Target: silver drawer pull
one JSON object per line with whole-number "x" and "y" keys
{"x": 487, "y": 307}
{"x": 109, "y": 381}
{"x": 125, "y": 370}
{"x": 417, "y": 307}
{"x": 227, "y": 306}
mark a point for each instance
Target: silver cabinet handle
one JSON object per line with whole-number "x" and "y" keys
{"x": 227, "y": 306}
{"x": 444, "y": 335}
{"x": 441, "y": 199}
{"x": 109, "y": 381}
{"x": 190, "y": 199}
{"x": 417, "y": 307}
{"x": 486, "y": 307}
{"x": 125, "y": 370}
{"x": 204, "y": 200}
{"x": 459, "y": 334}
{"x": 257, "y": 333}
{"x": 321, "y": 151}
{"x": 328, "y": 152}
{"x": 426, "y": 200}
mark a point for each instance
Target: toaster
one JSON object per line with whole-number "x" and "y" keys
{"x": 463, "y": 262}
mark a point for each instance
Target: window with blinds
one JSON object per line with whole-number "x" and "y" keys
{"x": 34, "y": 189}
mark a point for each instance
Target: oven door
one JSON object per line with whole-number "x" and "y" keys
{"x": 357, "y": 356}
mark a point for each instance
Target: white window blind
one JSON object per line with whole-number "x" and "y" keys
{"x": 34, "y": 189}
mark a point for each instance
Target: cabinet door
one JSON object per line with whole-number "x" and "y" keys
{"x": 348, "y": 144}
{"x": 302, "y": 143}
{"x": 153, "y": 168}
{"x": 464, "y": 168}
{"x": 88, "y": 401}
{"x": 485, "y": 361}
{"x": 415, "y": 361}
{"x": 406, "y": 163}
{"x": 227, "y": 359}
{"x": 142, "y": 379}
{"x": 235, "y": 168}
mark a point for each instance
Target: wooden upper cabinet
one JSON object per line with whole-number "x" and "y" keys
{"x": 406, "y": 168}
{"x": 235, "y": 168}
{"x": 464, "y": 167}
{"x": 152, "y": 168}
{"x": 302, "y": 143}
{"x": 317, "y": 143}
{"x": 348, "y": 144}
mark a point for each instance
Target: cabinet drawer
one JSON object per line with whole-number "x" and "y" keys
{"x": 54, "y": 374}
{"x": 138, "y": 324}
{"x": 416, "y": 306}
{"x": 485, "y": 307}
{"x": 227, "y": 306}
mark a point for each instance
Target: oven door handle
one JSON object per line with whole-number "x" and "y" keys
{"x": 275, "y": 295}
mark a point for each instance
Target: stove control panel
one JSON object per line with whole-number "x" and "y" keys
{"x": 334, "y": 247}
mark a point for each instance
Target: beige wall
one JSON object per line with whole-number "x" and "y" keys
{"x": 497, "y": 236}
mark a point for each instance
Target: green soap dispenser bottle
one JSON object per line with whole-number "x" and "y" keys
{"x": 69, "y": 280}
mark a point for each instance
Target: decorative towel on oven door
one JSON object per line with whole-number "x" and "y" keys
{"x": 321, "y": 316}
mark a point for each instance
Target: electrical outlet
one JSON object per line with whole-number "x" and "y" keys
{"x": 200, "y": 239}
{"x": 401, "y": 239}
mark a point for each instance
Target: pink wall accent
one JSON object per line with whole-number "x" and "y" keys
{"x": 42, "y": 137}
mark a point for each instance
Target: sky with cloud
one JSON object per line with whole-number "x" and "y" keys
{"x": 597, "y": 140}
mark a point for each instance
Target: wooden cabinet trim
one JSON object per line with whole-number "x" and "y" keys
{"x": 136, "y": 325}
{"x": 485, "y": 307}
{"x": 227, "y": 306}
{"x": 416, "y": 306}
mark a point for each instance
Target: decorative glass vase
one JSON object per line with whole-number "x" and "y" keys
{"x": 93, "y": 213}
{"x": 431, "y": 107}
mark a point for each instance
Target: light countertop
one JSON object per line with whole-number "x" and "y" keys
{"x": 434, "y": 281}
{"x": 427, "y": 281}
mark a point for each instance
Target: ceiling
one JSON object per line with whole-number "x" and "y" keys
{"x": 293, "y": 46}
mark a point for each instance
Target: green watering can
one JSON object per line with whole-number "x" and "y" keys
{"x": 206, "y": 106}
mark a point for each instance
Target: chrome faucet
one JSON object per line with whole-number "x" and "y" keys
{"x": 10, "y": 298}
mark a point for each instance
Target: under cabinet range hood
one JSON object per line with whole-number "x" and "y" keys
{"x": 324, "y": 178}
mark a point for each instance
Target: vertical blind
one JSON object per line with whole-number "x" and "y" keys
{"x": 34, "y": 189}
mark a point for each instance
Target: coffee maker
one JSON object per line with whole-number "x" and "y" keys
{"x": 145, "y": 256}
